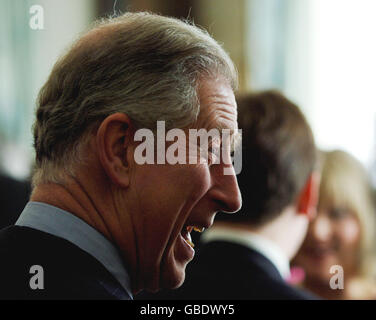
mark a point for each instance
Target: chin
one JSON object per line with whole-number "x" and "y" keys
{"x": 172, "y": 278}
{"x": 173, "y": 282}
{"x": 172, "y": 272}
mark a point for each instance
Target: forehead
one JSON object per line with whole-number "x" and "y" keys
{"x": 217, "y": 106}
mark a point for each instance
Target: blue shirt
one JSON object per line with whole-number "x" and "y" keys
{"x": 60, "y": 223}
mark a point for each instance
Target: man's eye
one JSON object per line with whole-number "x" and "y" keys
{"x": 214, "y": 151}
{"x": 213, "y": 155}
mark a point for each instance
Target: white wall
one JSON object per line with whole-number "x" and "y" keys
{"x": 343, "y": 79}
{"x": 322, "y": 55}
{"x": 63, "y": 21}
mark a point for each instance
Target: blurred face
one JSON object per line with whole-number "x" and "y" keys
{"x": 333, "y": 238}
{"x": 168, "y": 200}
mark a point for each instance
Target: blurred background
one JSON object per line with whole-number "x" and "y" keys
{"x": 319, "y": 53}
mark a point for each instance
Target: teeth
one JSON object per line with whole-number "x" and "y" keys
{"x": 190, "y": 243}
{"x": 189, "y": 229}
{"x": 197, "y": 229}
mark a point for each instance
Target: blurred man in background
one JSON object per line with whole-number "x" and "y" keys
{"x": 246, "y": 255}
{"x": 100, "y": 225}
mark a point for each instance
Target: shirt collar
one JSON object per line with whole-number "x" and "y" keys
{"x": 253, "y": 241}
{"x": 60, "y": 223}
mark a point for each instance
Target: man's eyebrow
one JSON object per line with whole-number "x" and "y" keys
{"x": 217, "y": 97}
{"x": 223, "y": 126}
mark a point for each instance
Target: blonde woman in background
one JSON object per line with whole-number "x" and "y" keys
{"x": 343, "y": 233}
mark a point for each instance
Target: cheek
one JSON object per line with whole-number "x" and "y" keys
{"x": 199, "y": 181}
{"x": 348, "y": 232}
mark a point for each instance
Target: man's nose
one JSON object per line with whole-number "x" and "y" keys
{"x": 227, "y": 192}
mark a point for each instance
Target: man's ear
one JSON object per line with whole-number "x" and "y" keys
{"x": 308, "y": 199}
{"x": 114, "y": 138}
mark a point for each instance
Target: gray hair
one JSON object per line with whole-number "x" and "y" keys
{"x": 141, "y": 64}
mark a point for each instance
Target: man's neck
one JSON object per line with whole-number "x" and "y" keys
{"x": 95, "y": 203}
{"x": 74, "y": 198}
{"x": 287, "y": 231}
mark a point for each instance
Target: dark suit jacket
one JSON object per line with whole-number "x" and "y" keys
{"x": 13, "y": 197}
{"x": 69, "y": 272}
{"x": 224, "y": 270}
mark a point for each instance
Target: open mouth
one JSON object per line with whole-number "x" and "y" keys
{"x": 186, "y": 233}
